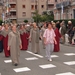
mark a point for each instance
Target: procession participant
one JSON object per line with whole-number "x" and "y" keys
{"x": 2, "y": 26}
{"x": 34, "y": 38}
{"x": 1, "y": 40}
{"x": 41, "y": 34}
{"x": 58, "y": 36}
{"x": 5, "y": 33}
{"x": 24, "y": 37}
{"x": 58, "y": 25}
{"x": 28, "y": 27}
{"x": 14, "y": 45}
{"x": 49, "y": 40}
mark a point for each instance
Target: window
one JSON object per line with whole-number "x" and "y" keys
{"x": 23, "y": 6}
{"x": 32, "y": 7}
{"x": 42, "y": 6}
{"x": 32, "y": 14}
{"x": 23, "y": 14}
{"x": 35, "y": 6}
{"x": 42, "y": 0}
{"x": 55, "y": 0}
{"x": 32, "y": 1}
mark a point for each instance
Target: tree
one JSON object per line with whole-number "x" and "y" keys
{"x": 36, "y": 17}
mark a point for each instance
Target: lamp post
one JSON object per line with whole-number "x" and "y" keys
{"x": 3, "y": 10}
{"x": 47, "y": 5}
{"x": 36, "y": 10}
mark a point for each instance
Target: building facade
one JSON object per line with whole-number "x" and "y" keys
{"x": 19, "y": 10}
{"x": 64, "y": 9}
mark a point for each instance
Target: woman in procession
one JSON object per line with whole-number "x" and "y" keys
{"x": 5, "y": 33}
{"x": 58, "y": 36}
{"x": 24, "y": 37}
{"x": 34, "y": 38}
{"x": 1, "y": 40}
{"x": 14, "y": 45}
{"x": 41, "y": 34}
{"x": 49, "y": 40}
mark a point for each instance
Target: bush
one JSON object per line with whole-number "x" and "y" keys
{"x": 1, "y": 22}
{"x": 26, "y": 21}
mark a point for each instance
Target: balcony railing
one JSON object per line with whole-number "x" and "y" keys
{"x": 12, "y": 9}
{"x": 13, "y": 17}
{"x": 51, "y": 2}
{"x": 12, "y": 1}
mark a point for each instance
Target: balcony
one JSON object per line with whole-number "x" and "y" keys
{"x": 13, "y": 17}
{"x": 12, "y": 9}
{"x": 73, "y": 2}
{"x": 51, "y": 2}
{"x": 12, "y": 1}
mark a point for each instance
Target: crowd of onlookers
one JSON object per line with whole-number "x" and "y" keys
{"x": 67, "y": 32}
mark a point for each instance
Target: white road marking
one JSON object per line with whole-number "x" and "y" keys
{"x": 35, "y": 54}
{"x": 0, "y": 73}
{"x": 7, "y": 61}
{"x": 31, "y": 58}
{"x": 21, "y": 69}
{"x": 67, "y": 73}
{"x": 54, "y": 56}
{"x": 69, "y": 54}
{"x": 47, "y": 66}
{"x": 70, "y": 63}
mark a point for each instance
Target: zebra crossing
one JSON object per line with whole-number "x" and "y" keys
{"x": 43, "y": 66}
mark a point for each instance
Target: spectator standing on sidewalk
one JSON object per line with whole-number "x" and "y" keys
{"x": 62, "y": 31}
{"x": 41, "y": 34}
{"x": 69, "y": 30}
{"x": 73, "y": 36}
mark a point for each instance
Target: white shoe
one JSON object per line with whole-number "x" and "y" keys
{"x": 50, "y": 60}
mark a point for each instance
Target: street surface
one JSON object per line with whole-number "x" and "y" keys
{"x": 32, "y": 64}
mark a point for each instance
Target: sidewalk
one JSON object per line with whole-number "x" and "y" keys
{"x": 68, "y": 45}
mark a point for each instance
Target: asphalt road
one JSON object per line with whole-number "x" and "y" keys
{"x": 31, "y": 64}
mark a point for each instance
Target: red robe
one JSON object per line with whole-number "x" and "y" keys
{"x": 5, "y": 46}
{"x": 58, "y": 35}
{"x": 24, "y": 39}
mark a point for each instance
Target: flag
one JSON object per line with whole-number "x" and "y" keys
{"x": 7, "y": 6}
{"x": 62, "y": 8}
{"x": 3, "y": 16}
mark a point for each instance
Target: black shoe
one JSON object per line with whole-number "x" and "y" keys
{"x": 15, "y": 64}
{"x": 36, "y": 53}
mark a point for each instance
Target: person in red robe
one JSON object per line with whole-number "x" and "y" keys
{"x": 24, "y": 37}
{"x": 58, "y": 36}
{"x": 5, "y": 33}
{"x": 1, "y": 40}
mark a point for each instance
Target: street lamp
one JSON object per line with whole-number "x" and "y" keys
{"x": 47, "y": 5}
{"x": 3, "y": 9}
{"x": 36, "y": 11}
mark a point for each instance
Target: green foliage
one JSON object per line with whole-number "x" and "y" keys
{"x": 43, "y": 18}
{"x": 37, "y": 18}
{"x": 26, "y": 21}
{"x": 1, "y": 22}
